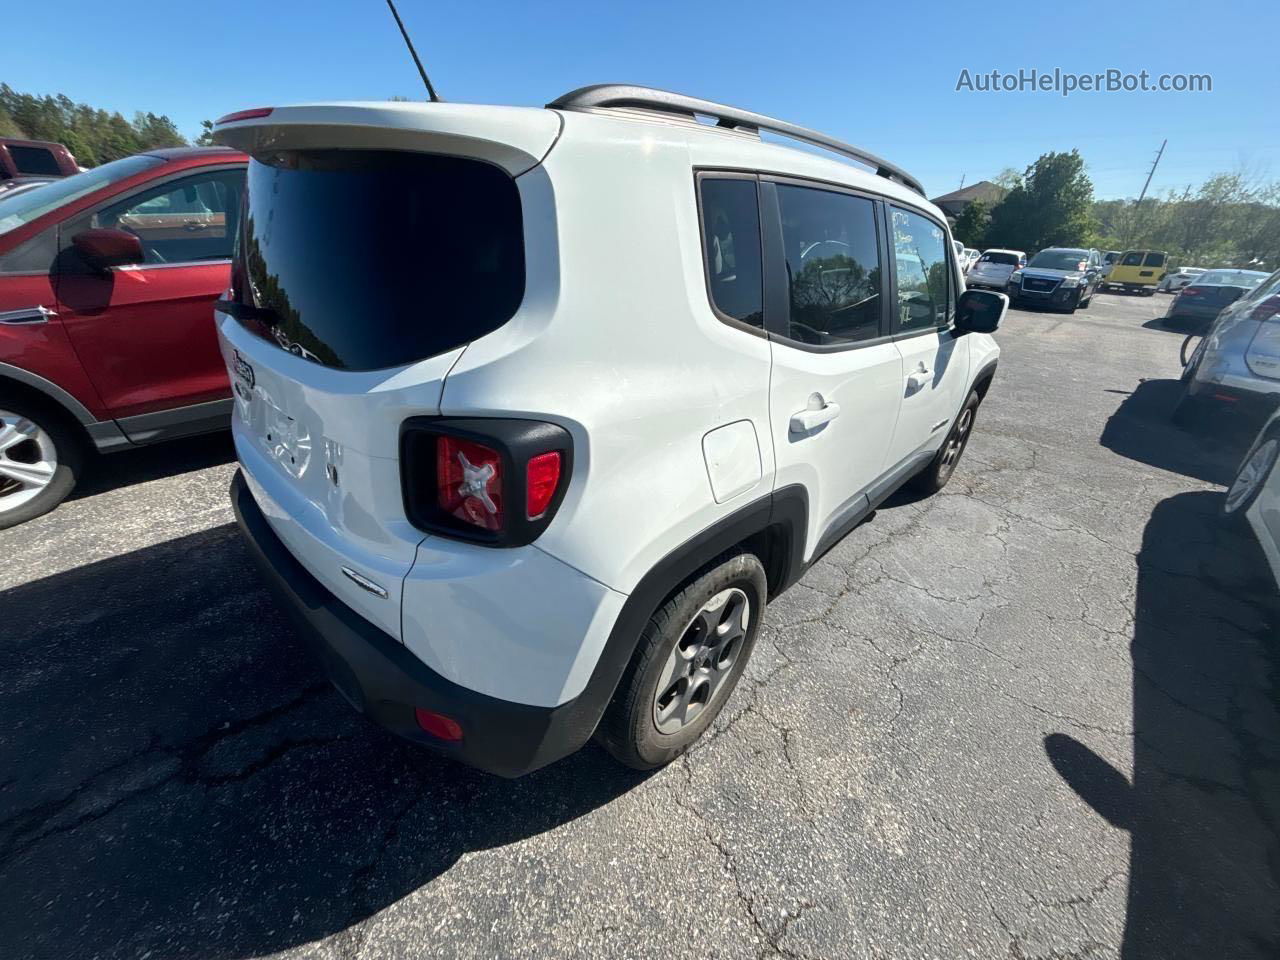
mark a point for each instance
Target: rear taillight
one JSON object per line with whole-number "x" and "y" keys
{"x": 1268, "y": 309}
{"x": 1191, "y": 291}
{"x": 542, "y": 478}
{"x": 488, "y": 480}
{"x": 469, "y": 482}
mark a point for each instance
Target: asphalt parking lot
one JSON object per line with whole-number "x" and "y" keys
{"x": 1035, "y": 716}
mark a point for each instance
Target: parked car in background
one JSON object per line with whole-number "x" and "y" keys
{"x": 38, "y": 158}
{"x": 1138, "y": 271}
{"x": 427, "y": 497}
{"x": 1176, "y": 280}
{"x": 1196, "y": 305}
{"x": 1254, "y": 494}
{"x": 1235, "y": 370}
{"x": 16, "y": 185}
{"x": 1064, "y": 278}
{"x": 970, "y": 258}
{"x": 1108, "y": 261}
{"x": 993, "y": 269}
{"x": 107, "y": 284}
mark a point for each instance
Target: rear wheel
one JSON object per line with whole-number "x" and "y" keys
{"x": 935, "y": 476}
{"x": 690, "y": 656}
{"x": 40, "y": 460}
{"x": 1252, "y": 476}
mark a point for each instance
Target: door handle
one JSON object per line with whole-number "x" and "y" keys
{"x": 918, "y": 379}
{"x": 815, "y": 415}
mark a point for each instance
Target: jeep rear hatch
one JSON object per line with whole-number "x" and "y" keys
{"x": 378, "y": 241}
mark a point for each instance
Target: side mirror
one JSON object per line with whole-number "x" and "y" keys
{"x": 980, "y": 311}
{"x": 107, "y": 248}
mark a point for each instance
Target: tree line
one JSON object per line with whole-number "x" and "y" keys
{"x": 93, "y": 136}
{"x": 1230, "y": 220}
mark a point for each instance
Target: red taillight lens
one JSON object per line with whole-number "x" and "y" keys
{"x": 1191, "y": 291}
{"x": 1268, "y": 309}
{"x": 437, "y": 724}
{"x": 542, "y": 477}
{"x": 253, "y": 114}
{"x": 469, "y": 482}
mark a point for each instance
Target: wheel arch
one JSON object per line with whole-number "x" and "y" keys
{"x": 771, "y": 527}
{"x": 986, "y": 374}
{"x": 101, "y": 434}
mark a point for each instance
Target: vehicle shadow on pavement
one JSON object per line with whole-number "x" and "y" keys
{"x": 124, "y": 469}
{"x": 1142, "y": 429}
{"x": 1203, "y": 805}
{"x": 176, "y": 778}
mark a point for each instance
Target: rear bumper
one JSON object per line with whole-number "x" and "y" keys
{"x": 383, "y": 680}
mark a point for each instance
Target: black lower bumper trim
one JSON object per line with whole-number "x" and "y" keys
{"x": 382, "y": 679}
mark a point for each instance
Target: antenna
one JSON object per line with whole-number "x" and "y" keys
{"x": 431, "y": 91}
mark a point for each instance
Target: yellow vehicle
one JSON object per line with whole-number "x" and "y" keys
{"x": 1138, "y": 270}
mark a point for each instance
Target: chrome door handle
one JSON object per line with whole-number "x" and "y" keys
{"x": 815, "y": 415}
{"x": 36, "y": 314}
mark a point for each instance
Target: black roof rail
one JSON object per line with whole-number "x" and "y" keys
{"x": 604, "y": 95}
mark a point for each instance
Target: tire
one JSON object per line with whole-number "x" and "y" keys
{"x": 647, "y": 727}
{"x": 34, "y": 436}
{"x": 935, "y": 476}
{"x": 1251, "y": 476}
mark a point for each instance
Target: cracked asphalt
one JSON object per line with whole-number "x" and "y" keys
{"x": 1035, "y": 716}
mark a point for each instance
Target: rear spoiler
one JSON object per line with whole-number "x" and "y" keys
{"x": 514, "y": 138}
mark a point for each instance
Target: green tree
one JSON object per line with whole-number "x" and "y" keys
{"x": 206, "y": 134}
{"x": 971, "y": 226}
{"x": 94, "y": 136}
{"x": 1050, "y": 207}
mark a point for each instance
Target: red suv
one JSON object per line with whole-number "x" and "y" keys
{"x": 107, "y": 283}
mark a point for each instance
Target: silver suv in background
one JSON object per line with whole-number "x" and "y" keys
{"x": 1236, "y": 367}
{"x": 994, "y": 268}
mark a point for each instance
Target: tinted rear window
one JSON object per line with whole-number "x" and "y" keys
{"x": 370, "y": 259}
{"x": 1154, "y": 260}
{"x": 34, "y": 160}
{"x": 1008, "y": 259}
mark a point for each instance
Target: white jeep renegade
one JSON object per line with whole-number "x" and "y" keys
{"x": 536, "y": 408}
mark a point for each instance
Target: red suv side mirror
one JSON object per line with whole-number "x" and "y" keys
{"x": 108, "y": 248}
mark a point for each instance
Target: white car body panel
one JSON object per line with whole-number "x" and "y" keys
{"x": 615, "y": 341}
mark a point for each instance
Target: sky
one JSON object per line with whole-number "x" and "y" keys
{"x": 884, "y": 78}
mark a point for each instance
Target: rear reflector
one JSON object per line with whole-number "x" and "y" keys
{"x": 437, "y": 724}
{"x": 469, "y": 482}
{"x": 542, "y": 477}
{"x": 253, "y": 114}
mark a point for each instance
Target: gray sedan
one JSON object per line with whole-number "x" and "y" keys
{"x": 1199, "y": 302}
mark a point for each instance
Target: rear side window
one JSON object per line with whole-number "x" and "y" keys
{"x": 833, "y": 265}
{"x": 362, "y": 259}
{"x": 1132, "y": 259}
{"x": 33, "y": 160}
{"x": 925, "y": 295}
{"x": 1154, "y": 260}
{"x": 731, "y": 245}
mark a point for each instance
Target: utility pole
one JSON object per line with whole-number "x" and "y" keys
{"x": 961, "y": 187}
{"x": 1150, "y": 173}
